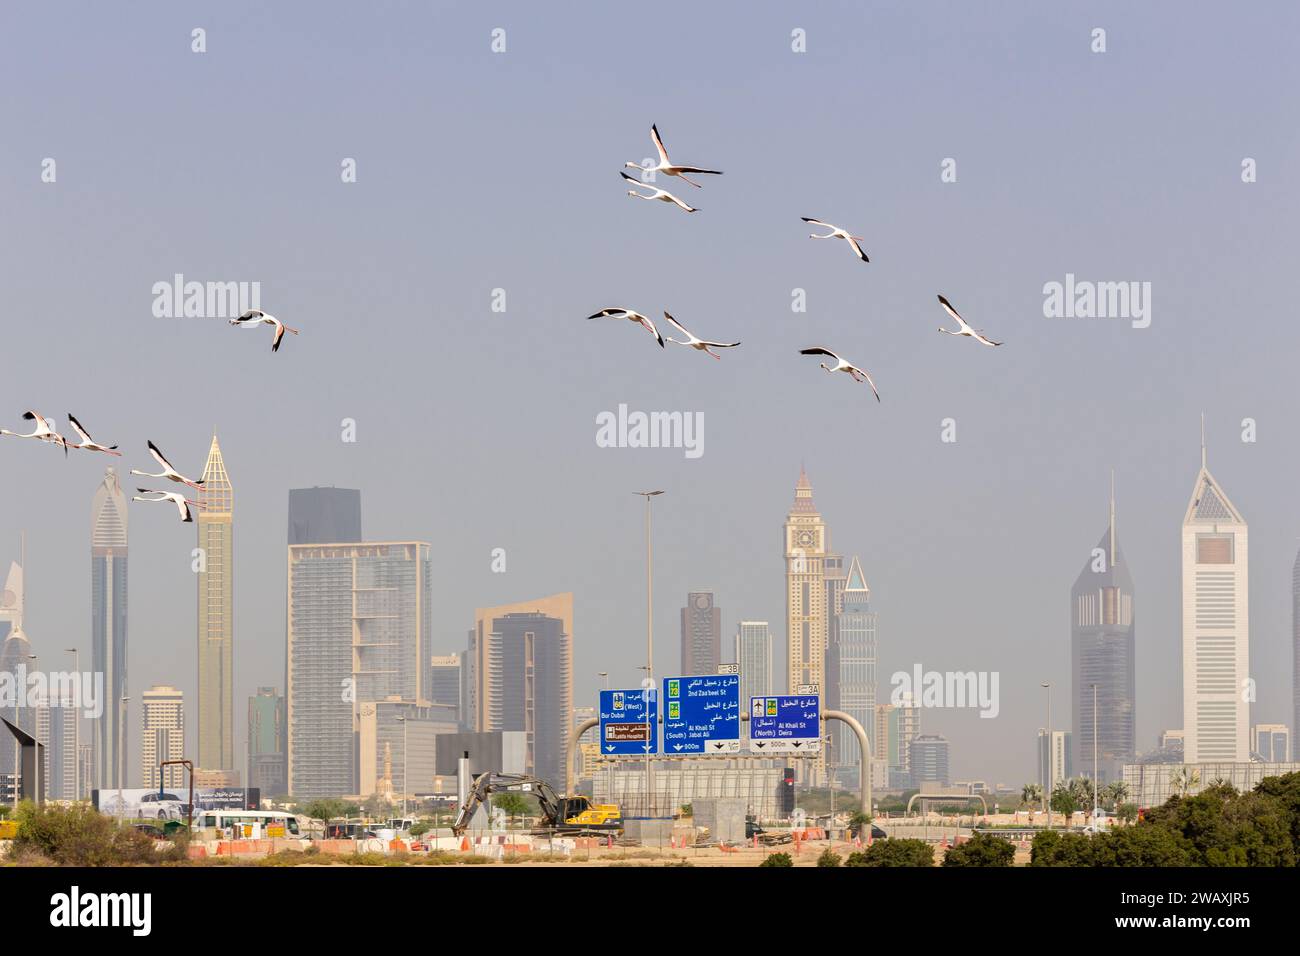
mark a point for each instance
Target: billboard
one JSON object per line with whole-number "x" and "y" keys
{"x": 170, "y": 803}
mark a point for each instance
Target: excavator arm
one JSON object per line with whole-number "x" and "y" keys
{"x": 486, "y": 784}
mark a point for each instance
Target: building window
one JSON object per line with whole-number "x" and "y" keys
{"x": 1214, "y": 549}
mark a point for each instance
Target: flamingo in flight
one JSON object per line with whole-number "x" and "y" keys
{"x": 257, "y": 317}
{"x": 976, "y": 334}
{"x": 662, "y": 195}
{"x": 700, "y": 345}
{"x": 88, "y": 443}
{"x": 168, "y": 472}
{"x": 43, "y": 431}
{"x": 837, "y": 233}
{"x": 859, "y": 375}
{"x": 182, "y": 503}
{"x": 665, "y": 165}
{"x": 637, "y": 317}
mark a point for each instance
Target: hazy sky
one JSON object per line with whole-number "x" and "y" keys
{"x": 476, "y": 430}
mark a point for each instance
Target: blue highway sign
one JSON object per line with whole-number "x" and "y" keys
{"x": 701, "y": 715}
{"x": 625, "y": 725}
{"x": 789, "y": 724}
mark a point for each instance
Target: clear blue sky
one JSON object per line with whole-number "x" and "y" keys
{"x": 476, "y": 430}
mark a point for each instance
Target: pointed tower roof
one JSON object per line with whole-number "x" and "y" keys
{"x": 857, "y": 581}
{"x": 217, "y": 496}
{"x": 108, "y": 514}
{"x": 1209, "y": 503}
{"x": 1115, "y": 572}
{"x": 803, "y": 497}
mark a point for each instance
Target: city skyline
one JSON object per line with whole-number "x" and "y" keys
{"x": 994, "y": 520}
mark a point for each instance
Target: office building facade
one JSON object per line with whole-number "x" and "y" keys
{"x": 359, "y": 620}
{"x": 216, "y": 636}
{"x": 108, "y": 625}
{"x": 1102, "y": 656}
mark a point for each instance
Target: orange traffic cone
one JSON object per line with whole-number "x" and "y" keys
{"x": 464, "y": 844}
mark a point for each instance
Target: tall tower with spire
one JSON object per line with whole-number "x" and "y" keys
{"x": 851, "y": 666}
{"x": 1216, "y": 625}
{"x": 108, "y": 565}
{"x": 806, "y": 544}
{"x": 1102, "y": 654}
{"x": 216, "y": 616}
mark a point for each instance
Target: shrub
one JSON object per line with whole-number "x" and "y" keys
{"x": 894, "y": 853}
{"x": 983, "y": 849}
{"x": 778, "y": 859}
{"x": 828, "y": 858}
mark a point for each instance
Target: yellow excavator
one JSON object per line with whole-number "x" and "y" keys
{"x": 567, "y": 816}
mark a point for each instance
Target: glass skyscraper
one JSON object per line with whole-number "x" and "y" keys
{"x": 1102, "y": 653}
{"x": 359, "y": 621}
{"x": 855, "y": 666}
{"x": 108, "y": 566}
{"x": 522, "y": 660}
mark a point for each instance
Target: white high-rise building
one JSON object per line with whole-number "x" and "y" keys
{"x": 754, "y": 658}
{"x": 163, "y": 736}
{"x": 1216, "y": 626}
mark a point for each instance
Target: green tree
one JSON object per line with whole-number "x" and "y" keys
{"x": 1142, "y": 845}
{"x": 329, "y": 808}
{"x": 777, "y": 859}
{"x": 511, "y": 804}
{"x": 1053, "y": 848}
{"x": 1031, "y": 794}
{"x": 983, "y": 849}
{"x": 858, "y": 822}
{"x": 828, "y": 858}
{"x": 894, "y": 853}
{"x": 1065, "y": 800}
{"x": 1128, "y": 812}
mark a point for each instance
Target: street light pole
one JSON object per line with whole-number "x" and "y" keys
{"x": 1047, "y": 763}
{"x": 649, "y": 637}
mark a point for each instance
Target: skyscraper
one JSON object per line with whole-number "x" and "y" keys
{"x": 1055, "y": 754}
{"x": 835, "y": 578}
{"x": 266, "y": 758}
{"x": 929, "y": 760}
{"x": 897, "y": 725}
{"x": 806, "y": 612}
{"x": 522, "y": 659}
{"x": 1216, "y": 626}
{"x": 324, "y": 515}
{"x": 1102, "y": 653}
{"x": 162, "y": 737}
{"x": 754, "y": 656}
{"x": 216, "y": 616}
{"x": 855, "y": 664}
{"x": 701, "y": 634}
{"x": 15, "y": 662}
{"x": 445, "y": 682}
{"x": 108, "y": 566}
{"x": 359, "y": 619}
